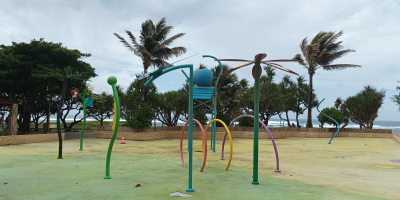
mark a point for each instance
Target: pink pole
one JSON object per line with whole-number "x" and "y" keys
{"x": 272, "y": 139}
{"x": 205, "y": 143}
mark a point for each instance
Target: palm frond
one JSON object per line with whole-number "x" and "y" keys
{"x": 339, "y": 66}
{"x": 140, "y": 50}
{"x": 317, "y": 37}
{"x": 303, "y": 47}
{"x": 333, "y": 38}
{"x": 161, "y": 34}
{"x": 171, "y": 39}
{"x": 161, "y": 24}
{"x": 329, "y": 57}
{"x": 126, "y": 44}
{"x": 158, "y": 63}
{"x": 147, "y": 30}
{"x": 312, "y": 52}
{"x": 298, "y": 57}
{"x": 322, "y": 41}
{"x": 177, "y": 51}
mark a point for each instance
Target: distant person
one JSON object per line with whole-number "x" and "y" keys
{"x": 2, "y": 121}
{"x": 7, "y": 124}
{"x": 293, "y": 125}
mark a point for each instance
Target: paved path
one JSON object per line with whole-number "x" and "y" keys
{"x": 77, "y": 135}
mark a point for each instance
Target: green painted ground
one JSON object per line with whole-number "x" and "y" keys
{"x": 81, "y": 177}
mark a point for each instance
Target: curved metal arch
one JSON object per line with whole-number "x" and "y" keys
{"x": 270, "y": 135}
{"x": 331, "y": 119}
{"x": 214, "y": 103}
{"x": 164, "y": 71}
{"x": 204, "y": 136}
{"x": 230, "y": 138}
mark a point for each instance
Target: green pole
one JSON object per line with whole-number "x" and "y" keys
{"x": 112, "y": 81}
{"x": 84, "y": 116}
{"x": 214, "y": 107}
{"x": 214, "y": 127}
{"x": 190, "y": 131}
{"x": 256, "y": 113}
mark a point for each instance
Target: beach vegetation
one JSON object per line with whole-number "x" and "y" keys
{"x": 363, "y": 107}
{"x": 321, "y": 52}
{"x": 140, "y": 117}
{"x": 333, "y": 113}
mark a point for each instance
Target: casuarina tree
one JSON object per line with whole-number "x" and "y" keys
{"x": 64, "y": 75}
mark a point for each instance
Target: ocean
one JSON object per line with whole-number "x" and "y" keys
{"x": 394, "y": 125}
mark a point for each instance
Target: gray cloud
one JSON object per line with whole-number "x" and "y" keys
{"x": 225, "y": 29}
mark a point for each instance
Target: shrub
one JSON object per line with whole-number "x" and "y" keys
{"x": 140, "y": 117}
{"x": 331, "y": 112}
{"x": 246, "y": 121}
{"x": 226, "y": 118}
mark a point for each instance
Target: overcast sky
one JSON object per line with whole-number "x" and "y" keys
{"x": 224, "y": 29}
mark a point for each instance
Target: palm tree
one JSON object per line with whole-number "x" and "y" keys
{"x": 321, "y": 52}
{"x": 153, "y": 47}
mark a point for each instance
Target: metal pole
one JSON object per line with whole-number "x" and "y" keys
{"x": 84, "y": 116}
{"x": 256, "y": 113}
{"x": 214, "y": 127}
{"x": 190, "y": 131}
{"x": 112, "y": 81}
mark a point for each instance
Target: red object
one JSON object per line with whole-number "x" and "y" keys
{"x": 254, "y": 71}
{"x": 74, "y": 93}
{"x": 123, "y": 140}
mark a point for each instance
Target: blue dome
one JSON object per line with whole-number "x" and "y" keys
{"x": 202, "y": 77}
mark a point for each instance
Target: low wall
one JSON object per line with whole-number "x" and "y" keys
{"x": 396, "y": 137}
{"x": 29, "y": 138}
{"x": 158, "y": 133}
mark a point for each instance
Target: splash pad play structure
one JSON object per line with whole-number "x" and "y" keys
{"x": 86, "y": 102}
{"x": 256, "y": 72}
{"x": 331, "y": 119}
{"x": 202, "y": 78}
{"x": 112, "y": 81}
{"x": 266, "y": 128}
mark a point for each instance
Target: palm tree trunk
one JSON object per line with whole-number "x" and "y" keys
{"x": 60, "y": 104}
{"x": 310, "y": 94}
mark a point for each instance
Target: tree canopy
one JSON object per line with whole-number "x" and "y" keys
{"x": 363, "y": 107}
{"x": 331, "y": 112}
{"x": 20, "y": 61}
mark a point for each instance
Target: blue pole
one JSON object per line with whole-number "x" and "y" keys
{"x": 331, "y": 119}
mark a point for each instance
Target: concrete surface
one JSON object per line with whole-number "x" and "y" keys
{"x": 309, "y": 166}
